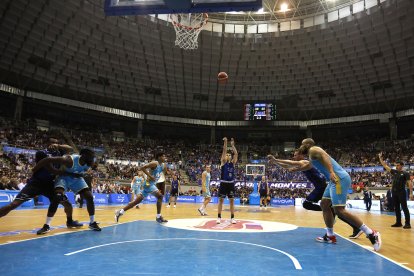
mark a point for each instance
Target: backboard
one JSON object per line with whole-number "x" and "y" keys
{"x": 139, "y": 7}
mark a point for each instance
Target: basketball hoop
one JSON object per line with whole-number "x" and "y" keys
{"x": 187, "y": 27}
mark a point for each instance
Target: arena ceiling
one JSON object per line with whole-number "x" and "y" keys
{"x": 282, "y": 10}
{"x": 359, "y": 64}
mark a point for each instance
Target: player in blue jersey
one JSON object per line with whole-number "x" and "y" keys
{"x": 335, "y": 193}
{"x": 136, "y": 184}
{"x": 75, "y": 165}
{"x": 226, "y": 188}
{"x": 42, "y": 183}
{"x": 175, "y": 188}
{"x": 205, "y": 189}
{"x": 319, "y": 182}
{"x": 263, "y": 191}
{"x": 155, "y": 167}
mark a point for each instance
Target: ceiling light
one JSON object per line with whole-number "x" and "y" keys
{"x": 283, "y": 7}
{"x": 234, "y": 12}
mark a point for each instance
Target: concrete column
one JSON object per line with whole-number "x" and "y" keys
{"x": 139, "y": 129}
{"x": 213, "y": 135}
{"x": 18, "y": 109}
{"x": 308, "y": 132}
{"x": 393, "y": 129}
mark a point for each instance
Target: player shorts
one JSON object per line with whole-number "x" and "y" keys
{"x": 226, "y": 190}
{"x": 316, "y": 195}
{"x": 263, "y": 193}
{"x": 74, "y": 184}
{"x": 136, "y": 189}
{"x": 31, "y": 191}
{"x": 207, "y": 194}
{"x": 161, "y": 187}
{"x": 337, "y": 192}
{"x": 174, "y": 193}
{"x": 148, "y": 190}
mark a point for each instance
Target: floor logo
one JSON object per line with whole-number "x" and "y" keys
{"x": 242, "y": 226}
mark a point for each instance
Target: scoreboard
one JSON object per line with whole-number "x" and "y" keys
{"x": 259, "y": 112}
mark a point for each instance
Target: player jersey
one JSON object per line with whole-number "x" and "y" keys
{"x": 227, "y": 172}
{"x": 156, "y": 173}
{"x": 339, "y": 171}
{"x": 76, "y": 167}
{"x": 263, "y": 187}
{"x": 138, "y": 181}
{"x": 315, "y": 177}
{"x": 162, "y": 175}
{"x": 174, "y": 185}
{"x": 42, "y": 177}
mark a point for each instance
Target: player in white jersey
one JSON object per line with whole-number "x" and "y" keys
{"x": 205, "y": 189}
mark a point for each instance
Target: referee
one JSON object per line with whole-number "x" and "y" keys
{"x": 400, "y": 179}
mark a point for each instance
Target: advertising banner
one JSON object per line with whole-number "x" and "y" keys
{"x": 359, "y": 204}
{"x": 100, "y": 199}
{"x": 7, "y": 197}
{"x": 282, "y": 201}
{"x": 119, "y": 198}
{"x": 189, "y": 199}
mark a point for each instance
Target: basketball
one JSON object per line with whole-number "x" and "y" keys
{"x": 222, "y": 77}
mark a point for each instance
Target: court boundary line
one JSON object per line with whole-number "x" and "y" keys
{"x": 292, "y": 258}
{"x": 66, "y": 232}
{"x": 376, "y": 253}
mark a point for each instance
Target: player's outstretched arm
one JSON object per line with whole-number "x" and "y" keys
{"x": 284, "y": 163}
{"x": 235, "y": 153}
{"x": 48, "y": 161}
{"x": 203, "y": 182}
{"x": 386, "y": 167}
{"x": 224, "y": 152}
{"x": 305, "y": 165}
{"x": 150, "y": 165}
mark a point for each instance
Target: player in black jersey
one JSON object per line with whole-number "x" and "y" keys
{"x": 263, "y": 191}
{"x": 319, "y": 182}
{"x": 226, "y": 188}
{"x": 42, "y": 183}
{"x": 175, "y": 188}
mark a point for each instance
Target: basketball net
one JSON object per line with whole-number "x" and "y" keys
{"x": 187, "y": 27}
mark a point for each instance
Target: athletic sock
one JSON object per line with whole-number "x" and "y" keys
{"x": 121, "y": 211}
{"x": 330, "y": 231}
{"x": 92, "y": 218}
{"x": 69, "y": 219}
{"x": 218, "y": 215}
{"x": 48, "y": 220}
{"x": 366, "y": 229}
{"x": 232, "y": 216}
{"x": 158, "y": 215}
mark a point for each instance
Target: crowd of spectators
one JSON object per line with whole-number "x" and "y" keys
{"x": 185, "y": 158}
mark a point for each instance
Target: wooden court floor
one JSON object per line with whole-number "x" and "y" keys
{"x": 398, "y": 243}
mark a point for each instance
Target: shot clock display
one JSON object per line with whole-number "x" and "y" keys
{"x": 259, "y": 112}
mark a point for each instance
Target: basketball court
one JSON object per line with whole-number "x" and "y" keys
{"x": 269, "y": 242}
{"x": 275, "y": 241}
